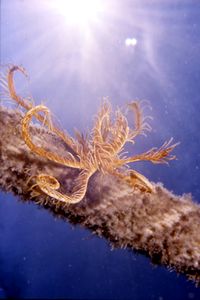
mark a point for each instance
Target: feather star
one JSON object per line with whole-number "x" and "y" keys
{"x": 102, "y": 150}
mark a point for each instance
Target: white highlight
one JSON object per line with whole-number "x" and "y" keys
{"x": 79, "y": 12}
{"x": 130, "y": 42}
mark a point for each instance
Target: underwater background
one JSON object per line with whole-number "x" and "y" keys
{"x": 124, "y": 50}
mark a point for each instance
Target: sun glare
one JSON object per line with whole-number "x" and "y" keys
{"x": 79, "y": 12}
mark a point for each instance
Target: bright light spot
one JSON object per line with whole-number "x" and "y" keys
{"x": 79, "y": 12}
{"x": 130, "y": 42}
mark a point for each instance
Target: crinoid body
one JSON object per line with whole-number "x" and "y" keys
{"x": 101, "y": 150}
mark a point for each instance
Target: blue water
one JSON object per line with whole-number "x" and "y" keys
{"x": 71, "y": 67}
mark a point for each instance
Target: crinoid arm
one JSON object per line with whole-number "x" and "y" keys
{"x": 100, "y": 133}
{"x": 141, "y": 182}
{"x": 7, "y": 82}
{"x": 140, "y": 123}
{"x": 69, "y": 160}
{"x": 107, "y": 136}
{"x": 82, "y": 144}
{"x": 155, "y": 155}
{"x": 120, "y": 131}
{"x": 136, "y": 180}
{"x": 102, "y": 124}
{"x": 50, "y": 185}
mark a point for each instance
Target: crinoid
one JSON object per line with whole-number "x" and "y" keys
{"x": 102, "y": 150}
